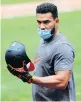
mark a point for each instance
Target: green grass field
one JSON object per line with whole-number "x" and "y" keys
{"x": 24, "y": 29}
{"x": 18, "y": 1}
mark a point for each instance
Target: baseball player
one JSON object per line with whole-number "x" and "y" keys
{"x": 53, "y": 78}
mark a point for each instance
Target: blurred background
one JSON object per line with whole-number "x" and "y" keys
{"x": 18, "y": 23}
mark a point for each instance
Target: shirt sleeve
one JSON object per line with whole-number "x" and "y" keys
{"x": 64, "y": 58}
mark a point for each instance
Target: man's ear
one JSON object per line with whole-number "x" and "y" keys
{"x": 57, "y": 20}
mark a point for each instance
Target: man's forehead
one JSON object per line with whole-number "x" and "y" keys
{"x": 45, "y": 16}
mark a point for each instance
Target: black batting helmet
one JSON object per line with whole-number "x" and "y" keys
{"x": 16, "y": 54}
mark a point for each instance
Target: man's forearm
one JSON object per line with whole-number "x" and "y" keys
{"x": 54, "y": 81}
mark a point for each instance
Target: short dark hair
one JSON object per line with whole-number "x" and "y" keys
{"x": 47, "y": 7}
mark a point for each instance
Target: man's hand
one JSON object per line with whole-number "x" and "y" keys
{"x": 21, "y": 74}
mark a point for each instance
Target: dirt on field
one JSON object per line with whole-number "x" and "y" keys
{"x": 14, "y": 10}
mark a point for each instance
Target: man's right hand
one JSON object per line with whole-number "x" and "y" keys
{"x": 24, "y": 76}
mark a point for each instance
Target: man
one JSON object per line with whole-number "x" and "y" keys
{"x": 53, "y": 76}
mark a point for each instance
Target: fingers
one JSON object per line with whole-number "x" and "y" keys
{"x": 23, "y": 69}
{"x": 16, "y": 69}
{"x": 19, "y": 76}
{"x": 20, "y": 69}
{"x": 10, "y": 66}
{"x": 11, "y": 70}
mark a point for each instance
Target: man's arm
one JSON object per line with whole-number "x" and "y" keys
{"x": 60, "y": 80}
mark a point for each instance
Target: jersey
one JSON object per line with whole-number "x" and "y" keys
{"x": 51, "y": 56}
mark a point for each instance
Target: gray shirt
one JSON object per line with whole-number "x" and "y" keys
{"x": 52, "y": 56}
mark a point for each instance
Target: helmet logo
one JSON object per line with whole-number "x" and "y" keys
{"x": 14, "y": 44}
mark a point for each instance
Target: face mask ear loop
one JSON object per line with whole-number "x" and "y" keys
{"x": 53, "y": 31}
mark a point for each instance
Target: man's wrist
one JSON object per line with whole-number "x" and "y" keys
{"x": 30, "y": 81}
{"x": 29, "y": 78}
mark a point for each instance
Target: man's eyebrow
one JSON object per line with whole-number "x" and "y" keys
{"x": 39, "y": 21}
{"x": 44, "y": 21}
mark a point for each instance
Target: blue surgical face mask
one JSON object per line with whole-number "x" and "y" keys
{"x": 45, "y": 34}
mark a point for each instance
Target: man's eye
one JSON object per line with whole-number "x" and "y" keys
{"x": 39, "y": 22}
{"x": 46, "y": 22}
